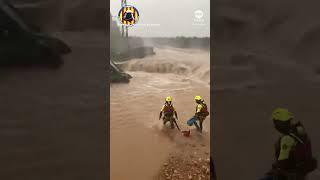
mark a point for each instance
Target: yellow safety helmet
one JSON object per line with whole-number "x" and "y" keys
{"x": 197, "y": 98}
{"x": 168, "y": 99}
{"x": 281, "y": 114}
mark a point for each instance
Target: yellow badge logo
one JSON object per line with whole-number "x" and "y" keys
{"x": 128, "y": 15}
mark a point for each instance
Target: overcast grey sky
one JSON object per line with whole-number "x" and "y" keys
{"x": 168, "y": 18}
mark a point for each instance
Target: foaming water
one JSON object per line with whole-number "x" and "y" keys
{"x": 139, "y": 141}
{"x": 193, "y": 64}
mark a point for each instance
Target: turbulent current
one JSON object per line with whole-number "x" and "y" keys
{"x": 139, "y": 142}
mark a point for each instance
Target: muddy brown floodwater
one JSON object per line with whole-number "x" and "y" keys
{"x": 50, "y": 125}
{"x": 139, "y": 142}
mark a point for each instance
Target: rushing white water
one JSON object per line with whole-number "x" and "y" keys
{"x": 139, "y": 142}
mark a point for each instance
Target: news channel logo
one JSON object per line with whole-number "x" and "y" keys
{"x": 198, "y": 17}
{"x": 128, "y": 15}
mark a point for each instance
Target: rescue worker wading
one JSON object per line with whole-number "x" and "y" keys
{"x": 201, "y": 112}
{"x": 293, "y": 151}
{"x": 168, "y": 112}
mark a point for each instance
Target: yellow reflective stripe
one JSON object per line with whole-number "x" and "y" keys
{"x": 199, "y": 107}
{"x": 286, "y": 144}
{"x": 297, "y": 138}
{"x": 162, "y": 109}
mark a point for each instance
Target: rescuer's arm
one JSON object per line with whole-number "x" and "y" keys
{"x": 161, "y": 112}
{"x": 286, "y": 145}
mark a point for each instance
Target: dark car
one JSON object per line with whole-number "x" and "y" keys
{"x": 21, "y": 45}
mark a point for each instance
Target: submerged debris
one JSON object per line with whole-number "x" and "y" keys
{"x": 24, "y": 46}
{"x": 117, "y": 75}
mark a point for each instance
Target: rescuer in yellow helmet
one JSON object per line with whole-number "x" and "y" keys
{"x": 168, "y": 112}
{"x": 201, "y": 112}
{"x": 293, "y": 151}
